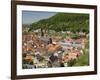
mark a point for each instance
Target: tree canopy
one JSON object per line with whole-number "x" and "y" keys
{"x": 64, "y": 22}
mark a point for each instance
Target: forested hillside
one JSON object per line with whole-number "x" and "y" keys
{"x": 74, "y": 22}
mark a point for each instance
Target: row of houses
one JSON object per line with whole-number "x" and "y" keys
{"x": 45, "y": 52}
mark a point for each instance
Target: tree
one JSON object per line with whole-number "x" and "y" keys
{"x": 63, "y": 22}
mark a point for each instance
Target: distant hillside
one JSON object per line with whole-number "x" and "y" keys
{"x": 63, "y": 22}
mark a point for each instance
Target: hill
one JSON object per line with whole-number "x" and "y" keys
{"x": 64, "y": 22}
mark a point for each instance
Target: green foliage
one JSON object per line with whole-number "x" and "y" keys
{"x": 75, "y": 36}
{"x": 82, "y": 60}
{"x": 72, "y": 62}
{"x": 63, "y": 22}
